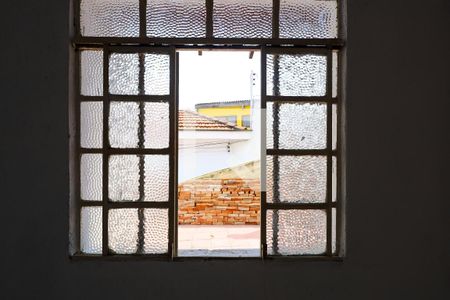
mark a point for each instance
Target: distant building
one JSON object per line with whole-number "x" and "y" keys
{"x": 207, "y": 144}
{"x": 235, "y": 112}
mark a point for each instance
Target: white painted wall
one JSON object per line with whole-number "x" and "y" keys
{"x": 196, "y": 158}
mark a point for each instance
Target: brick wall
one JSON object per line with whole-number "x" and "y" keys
{"x": 219, "y": 202}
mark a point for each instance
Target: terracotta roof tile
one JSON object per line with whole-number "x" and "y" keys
{"x": 189, "y": 120}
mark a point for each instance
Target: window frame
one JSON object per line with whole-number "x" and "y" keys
{"x": 144, "y": 43}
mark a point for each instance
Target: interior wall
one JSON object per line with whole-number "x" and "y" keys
{"x": 397, "y": 177}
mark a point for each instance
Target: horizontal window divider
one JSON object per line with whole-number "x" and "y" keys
{"x": 91, "y": 98}
{"x": 140, "y": 98}
{"x": 323, "y": 99}
{"x": 137, "y": 204}
{"x": 296, "y": 258}
{"x": 135, "y": 151}
{"x": 320, "y": 49}
{"x": 139, "y": 49}
{"x": 91, "y": 203}
{"x": 91, "y": 151}
{"x": 120, "y": 257}
{"x": 290, "y": 205}
{"x": 138, "y": 41}
{"x": 300, "y": 152}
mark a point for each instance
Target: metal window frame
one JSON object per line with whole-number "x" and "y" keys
{"x": 144, "y": 44}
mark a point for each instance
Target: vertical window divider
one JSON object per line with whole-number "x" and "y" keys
{"x": 141, "y": 215}
{"x": 77, "y": 168}
{"x": 263, "y": 175}
{"x": 275, "y": 158}
{"x": 209, "y": 19}
{"x": 329, "y": 189}
{"x": 143, "y": 19}
{"x": 275, "y": 19}
{"x": 106, "y": 146}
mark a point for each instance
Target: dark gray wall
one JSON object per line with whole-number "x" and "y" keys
{"x": 398, "y": 171}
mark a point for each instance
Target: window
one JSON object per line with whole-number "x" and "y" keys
{"x": 228, "y": 119}
{"x": 125, "y": 113}
{"x": 246, "y": 121}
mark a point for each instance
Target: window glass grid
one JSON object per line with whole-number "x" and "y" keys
{"x": 273, "y": 198}
{"x": 145, "y": 153}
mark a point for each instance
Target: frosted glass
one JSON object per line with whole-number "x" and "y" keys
{"x": 334, "y": 71}
{"x": 300, "y": 125}
{"x": 334, "y": 179}
{"x": 157, "y": 74}
{"x": 156, "y": 125}
{"x": 242, "y": 18}
{"x": 124, "y": 74}
{"x": 333, "y": 230}
{"x": 109, "y": 18}
{"x": 156, "y": 171}
{"x": 91, "y": 230}
{"x": 302, "y": 179}
{"x": 176, "y": 18}
{"x": 91, "y": 177}
{"x": 124, "y": 124}
{"x": 91, "y": 124}
{"x": 124, "y": 178}
{"x": 156, "y": 231}
{"x": 308, "y": 19}
{"x": 298, "y": 232}
{"x": 91, "y": 64}
{"x": 334, "y": 127}
{"x": 123, "y": 228}
{"x": 297, "y": 75}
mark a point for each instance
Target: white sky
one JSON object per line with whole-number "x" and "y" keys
{"x": 217, "y": 76}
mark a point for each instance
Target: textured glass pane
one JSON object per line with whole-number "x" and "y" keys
{"x": 91, "y": 124}
{"x": 91, "y": 177}
{"x": 300, "y": 125}
{"x": 124, "y": 178}
{"x": 157, "y": 74}
{"x": 308, "y": 19}
{"x": 156, "y": 125}
{"x": 176, "y": 18}
{"x": 156, "y": 231}
{"x": 91, "y": 73}
{"x": 297, "y": 75}
{"x": 335, "y": 74}
{"x": 334, "y": 127}
{"x": 91, "y": 230}
{"x": 124, "y": 124}
{"x": 296, "y": 232}
{"x": 301, "y": 178}
{"x": 334, "y": 179}
{"x": 124, "y": 74}
{"x": 242, "y": 18}
{"x": 118, "y": 18}
{"x": 333, "y": 230}
{"x": 123, "y": 228}
{"x": 156, "y": 178}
